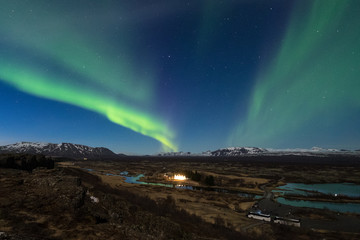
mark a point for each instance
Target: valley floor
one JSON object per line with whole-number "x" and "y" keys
{"x": 71, "y": 202}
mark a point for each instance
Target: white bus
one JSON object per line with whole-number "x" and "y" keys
{"x": 287, "y": 221}
{"x": 259, "y": 216}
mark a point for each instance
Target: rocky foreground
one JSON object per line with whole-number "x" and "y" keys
{"x": 68, "y": 203}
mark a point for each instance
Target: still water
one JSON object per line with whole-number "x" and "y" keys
{"x": 347, "y": 189}
{"x": 338, "y": 207}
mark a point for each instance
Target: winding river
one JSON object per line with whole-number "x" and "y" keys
{"x": 136, "y": 180}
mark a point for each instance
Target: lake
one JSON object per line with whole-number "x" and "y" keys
{"x": 347, "y": 189}
{"x": 338, "y": 207}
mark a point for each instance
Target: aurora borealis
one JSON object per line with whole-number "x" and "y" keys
{"x": 148, "y": 76}
{"x": 71, "y": 70}
{"x": 313, "y": 80}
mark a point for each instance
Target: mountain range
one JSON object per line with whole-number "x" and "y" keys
{"x": 71, "y": 150}
{"x": 252, "y": 151}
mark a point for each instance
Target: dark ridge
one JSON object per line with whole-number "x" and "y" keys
{"x": 26, "y": 162}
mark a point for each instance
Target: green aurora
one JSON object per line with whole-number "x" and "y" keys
{"x": 189, "y": 75}
{"x": 313, "y": 79}
{"x": 84, "y": 71}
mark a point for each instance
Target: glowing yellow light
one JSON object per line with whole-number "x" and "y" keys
{"x": 179, "y": 177}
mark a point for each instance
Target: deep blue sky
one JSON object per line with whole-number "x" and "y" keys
{"x": 206, "y": 74}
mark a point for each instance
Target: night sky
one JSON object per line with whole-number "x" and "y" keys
{"x": 145, "y": 76}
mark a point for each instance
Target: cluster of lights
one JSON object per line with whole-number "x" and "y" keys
{"x": 179, "y": 177}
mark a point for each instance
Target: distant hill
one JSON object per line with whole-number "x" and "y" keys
{"x": 169, "y": 154}
{"x": 69, "y": 150}
{"x": 255, "y": 151}
{"x": 238, "y": 151}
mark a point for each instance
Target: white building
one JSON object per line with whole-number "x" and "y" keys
{"x": 259, "y": 216}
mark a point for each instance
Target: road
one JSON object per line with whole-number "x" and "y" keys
{"x": 339, "y": 222}
{"x": 252, "y": 225}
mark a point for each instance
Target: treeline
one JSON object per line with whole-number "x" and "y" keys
{"x": 26, "y": 162}
{"x": 202, "y": 178}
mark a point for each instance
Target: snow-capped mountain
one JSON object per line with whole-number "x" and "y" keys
{"x": 231, "y": 151}
{"x": 246, "y": 151}
{"x": 238, "y": 151}
{"x": 255, "y": 151}
{"x": 314, "y": 151}
{"x": 60, "y": 150}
